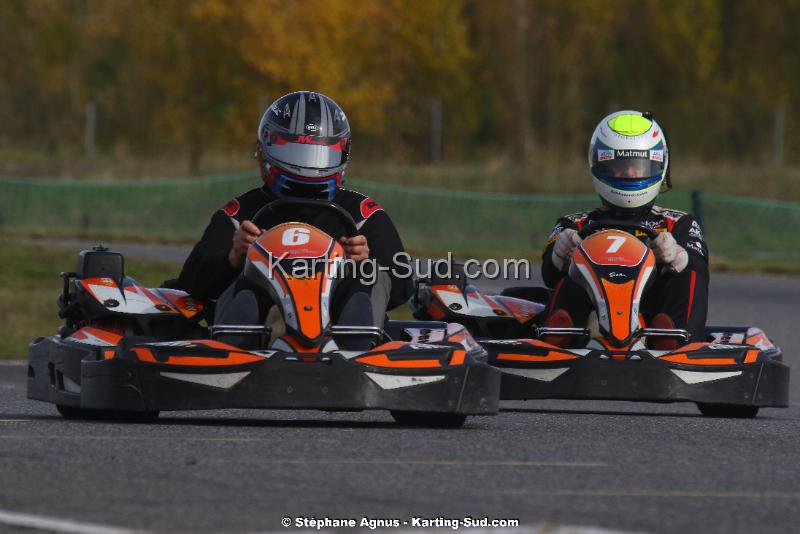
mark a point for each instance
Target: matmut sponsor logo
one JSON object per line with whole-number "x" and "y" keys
{"x": 631, "y": 153}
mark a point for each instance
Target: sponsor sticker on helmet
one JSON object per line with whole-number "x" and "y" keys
{"x": 605, "y": 155}
{"x": 657, "y": 155}
{"x": 631, "y": 154}
{"x": 231, "y": 208}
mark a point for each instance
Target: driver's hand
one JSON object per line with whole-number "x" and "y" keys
{"x": 243, "y": 237}
{"x": 566, "y": 241}
{"x": 668, "y": 252}
{"x": 355, "y": 248}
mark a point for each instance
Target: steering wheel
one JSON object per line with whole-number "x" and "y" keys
{"x": 625, "y": 226}
{"x": 289, "y": 205}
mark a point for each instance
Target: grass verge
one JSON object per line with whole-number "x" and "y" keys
{"x": 31, "y": 285}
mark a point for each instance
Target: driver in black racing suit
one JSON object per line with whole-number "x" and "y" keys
{"x": 629, "y": 161}
{"x": 303, "y": 150}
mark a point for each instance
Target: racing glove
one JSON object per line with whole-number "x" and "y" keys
{"x": 566, "y": 242}
{"x": 668, "y": 252}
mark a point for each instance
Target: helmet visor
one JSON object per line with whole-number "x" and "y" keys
{"x": 628, "y": 164}
{"x": 632, "y": 168}
{"x": 316, "y": 153}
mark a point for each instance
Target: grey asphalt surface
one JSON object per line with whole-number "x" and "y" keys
{"x": 550, "y": 464}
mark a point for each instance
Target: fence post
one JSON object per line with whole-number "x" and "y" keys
{"x": 697, "y": 207}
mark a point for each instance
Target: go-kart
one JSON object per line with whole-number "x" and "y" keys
{"x": 129, "y": 352}
{"x": 733, "y": 372}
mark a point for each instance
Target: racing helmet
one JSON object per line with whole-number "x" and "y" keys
{"x": 629, "y": 160}
{"x": 303, "y": 146}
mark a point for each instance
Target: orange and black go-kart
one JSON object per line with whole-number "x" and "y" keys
{"x": 129, "y": 352}
{"x": 732, "y": 373}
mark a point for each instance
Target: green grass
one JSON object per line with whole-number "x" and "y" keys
{"x": 30, "y": 286}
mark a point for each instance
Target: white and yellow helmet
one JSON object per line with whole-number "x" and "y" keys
{"x": 629, "y": 159}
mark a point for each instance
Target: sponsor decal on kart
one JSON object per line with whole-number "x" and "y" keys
{"x": 515, "y": 342}
{"x": 727, "y": 337}
{"x": 425, "y": 335}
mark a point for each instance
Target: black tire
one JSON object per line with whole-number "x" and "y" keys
{"x": 85, "y": 414}
{"x": 121, "y": 416}
{"x": 727, "y": 410}
{"x": 429, "y": 420}
{"x": 136, "y": 417}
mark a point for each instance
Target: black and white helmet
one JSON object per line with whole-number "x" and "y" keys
{"x": 305, "y": 142}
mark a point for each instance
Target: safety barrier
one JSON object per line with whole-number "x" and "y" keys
{"x": 431, "y": 221}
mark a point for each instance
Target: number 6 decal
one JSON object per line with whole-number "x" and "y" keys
{"x": 295, "y": 236}
{"x": 618, "y": 240}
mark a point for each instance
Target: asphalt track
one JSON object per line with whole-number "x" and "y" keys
{"x": 553, "y": 465}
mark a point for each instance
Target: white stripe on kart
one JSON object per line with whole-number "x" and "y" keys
{"x": 543, "y": 375}
{"x": 53, "y": 524}
{"x": 215, "y": 380}
{"x": 696, "y": 377}
{"x": 401, "y": 381}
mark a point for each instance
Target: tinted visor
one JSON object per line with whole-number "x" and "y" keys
{"x": 307, "y": 151}
{"x": 635, "y": 169}
{"x": 628, "y": 164}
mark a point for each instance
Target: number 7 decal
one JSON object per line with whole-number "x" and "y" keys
{"x": 618, "y": 240}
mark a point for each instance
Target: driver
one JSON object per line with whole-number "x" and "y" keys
{"x": 629, "y": 161}
{"x": 302, "y": 151}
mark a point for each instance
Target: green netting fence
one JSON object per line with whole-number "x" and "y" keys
{"x": 431, "y": 221}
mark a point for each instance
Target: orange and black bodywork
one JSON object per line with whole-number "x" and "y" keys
{"x": 127, "y": 375}
{"x": 614, "y": 267}
{"x": 735, "y": 367}
{"x": 706, "y": 373}
{"x": 134, "y": 350}
{"x": 297, "y": 265}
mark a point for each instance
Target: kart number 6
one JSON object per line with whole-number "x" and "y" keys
{"x": 295, "y": 236}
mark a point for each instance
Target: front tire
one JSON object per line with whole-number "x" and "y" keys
{"x": 733, "y": 411}
{"x": 429, "y": 420}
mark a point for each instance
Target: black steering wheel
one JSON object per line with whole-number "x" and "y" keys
{"x": 289, "y": 206}
{"x": 611, "y": 224}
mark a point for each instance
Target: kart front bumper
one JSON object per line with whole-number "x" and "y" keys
{"x": 64, "y": 374}
{"x": 763, "y": 383}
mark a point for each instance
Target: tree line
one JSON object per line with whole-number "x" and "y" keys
{"x": 421, "y": 80}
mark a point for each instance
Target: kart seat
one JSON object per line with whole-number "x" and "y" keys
{"x": 99, "y": 262}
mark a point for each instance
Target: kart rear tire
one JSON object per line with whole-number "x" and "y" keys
{"x": 727, "y": 410}
{"x": 429, "y": 420}
{"x": 77, "y": 413}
